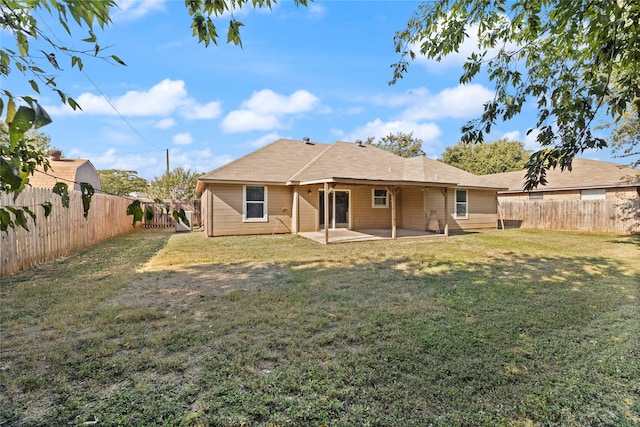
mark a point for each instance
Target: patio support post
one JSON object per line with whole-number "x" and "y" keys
{"x": 446, "y": 211}
{"x": 294, "y": 212}
{"x": 393, "y": 212}
{"x": 326, "y": 213}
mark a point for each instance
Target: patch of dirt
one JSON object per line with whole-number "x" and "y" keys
{"x": 181, "y": 286}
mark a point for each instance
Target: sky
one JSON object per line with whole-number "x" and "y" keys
{"x": 320, "y": 72}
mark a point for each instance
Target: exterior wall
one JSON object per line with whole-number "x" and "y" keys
{"x": 87, "y": 173}
{"x": 434, "y": 201}
{"x": 611, "y": 193}
{"x": 623, "y": 193}
{"x": 364, "y": 216}
{"x": 308, "y": 208}
{"x": 226, "y": 200}
{"x": 482, "y": 207}
{"x": 411, "y": 213}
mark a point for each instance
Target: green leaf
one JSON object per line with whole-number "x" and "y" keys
{"x": 87, "y": 192}
{"x": 118, "y": 60}
{"x": 181, "y": 215}
{"x": 5, "y": 220}
{"x": 34, "y": 86}
{"x": 149, "y": 213}
{"x": 62, "y": 189}
{"x": 10, "y": 175}
{"x": 135, "y": 210}
{"x": 47, "y": 206}
{"x": 41, "y": 117}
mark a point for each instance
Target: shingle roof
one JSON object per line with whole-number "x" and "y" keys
{"x": 288, "y": 161}
{"x": 584, "y": 174}
{"x": 63, "y": 170}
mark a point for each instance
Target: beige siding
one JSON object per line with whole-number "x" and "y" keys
{"x": 412, "y": 215}
{"x": 482, "y": 211}
{"x": 363, "y": 214}
{"x": 620, "y": 193}
{"x": 434, "y": 201}
{"x": 308, "y": 208}
{"x": 227, "y": 211}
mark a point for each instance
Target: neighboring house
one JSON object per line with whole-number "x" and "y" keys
{"x": 69, "y": 171}
{"x": 587, "y": 180}
{"x": 594, "y": 196}
{"x": 293, "y": 186}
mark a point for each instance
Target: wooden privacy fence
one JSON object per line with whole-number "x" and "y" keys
{"x": 64, "y": 231}
{"x": 619, "y": 216}
{"x": 162, "y": 219}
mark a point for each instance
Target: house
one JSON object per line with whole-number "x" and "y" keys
{"x": 294, "y": 187}
{"x": 594, "y": 196}
{"x": 587, "y": 180}
{"x": 69, "y": 171}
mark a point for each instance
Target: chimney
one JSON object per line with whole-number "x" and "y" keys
{"x": 54, "y": 154}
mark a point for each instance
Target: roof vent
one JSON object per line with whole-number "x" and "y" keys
{"x": 307, "y": 140}
{"x": 359, "y": 143}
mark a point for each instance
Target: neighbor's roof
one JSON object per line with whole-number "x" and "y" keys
{"x": 63, "y": 170}
{"x": 287, "y": 161}
{"x": 584, "y": 174}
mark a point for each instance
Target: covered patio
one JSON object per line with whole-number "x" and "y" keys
{"x": 342, "y": 235}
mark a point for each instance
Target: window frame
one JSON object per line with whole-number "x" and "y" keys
{"x": 593, "y": 194}
{"x": 264, "y": 203}
{"x": 456, "y": 203}
{"x": 374, "y": 197}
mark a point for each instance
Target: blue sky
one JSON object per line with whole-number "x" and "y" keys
{"x": 320, "y": 71}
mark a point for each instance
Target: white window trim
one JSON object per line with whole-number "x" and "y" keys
{"x": 455, "y": 205}
{"x": 265, "y": 217}
{"x": 373, "y": 198}
{"x": 593, "y": 194}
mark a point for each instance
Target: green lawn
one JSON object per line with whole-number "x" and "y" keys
{"x": 504, "y": 328}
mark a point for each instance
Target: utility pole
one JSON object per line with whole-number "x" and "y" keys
{"x": 167, "y": 151}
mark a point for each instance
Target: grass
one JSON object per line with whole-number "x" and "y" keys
{"x": 510, "y": 328}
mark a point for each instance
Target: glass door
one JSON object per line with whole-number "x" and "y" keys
{"x": 338, "y": 209}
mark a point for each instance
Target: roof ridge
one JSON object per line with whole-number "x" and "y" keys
{"x": 251, "y": 153}
{"x": 310, "y": 162}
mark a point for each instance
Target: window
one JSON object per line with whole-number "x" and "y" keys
{"x": 597, "y": 194}
{"x": 254, "y": 204}
{"x": 380, "y": 198}
{"x": 462, "y": 204}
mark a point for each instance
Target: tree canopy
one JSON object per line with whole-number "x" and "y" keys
{"x": 625, "y": 136}
{"x": 401, "y": 144}
{"x": 493, "y": 157}
{"x": 178, "y": 184}
{"x": 121, "y": 182}
{"x": 575, "y": 60}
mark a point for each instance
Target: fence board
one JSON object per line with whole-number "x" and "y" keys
{"x": 619, "y": 216}
{"x": 65, "y": 231}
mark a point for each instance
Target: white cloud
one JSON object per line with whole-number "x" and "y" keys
{"x": 316, "y": 11}
{"x": 264, "y": 140}
{"x": 163, "y": 99}
{"x": 182, "y": 138}
{"x": 165, "y": 123}
{"x": 266, "y": 109}
{"x": 529, "y": 141}
{"x": 130, "y": 10}
{"x": 206, "y": 111}
{"x": 246, "y": 120}
{"x": 458, "y": 102}
{"x": 427, "y": 132}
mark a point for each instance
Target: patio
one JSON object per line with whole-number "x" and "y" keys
{"x": 342, "y": 235}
